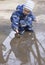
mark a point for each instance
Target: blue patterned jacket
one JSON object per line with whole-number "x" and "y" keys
{"x": 19, "y": 19}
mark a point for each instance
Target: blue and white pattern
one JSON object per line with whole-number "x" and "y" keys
{"x": 19, "y": 17}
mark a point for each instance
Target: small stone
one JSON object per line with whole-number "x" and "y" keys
{"x": 33, "y": 38}
{"x": 29, "y": 33}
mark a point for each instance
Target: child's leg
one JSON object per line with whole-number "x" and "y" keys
{"x": 21, "y": 30}
{"x": 29, "y": 28}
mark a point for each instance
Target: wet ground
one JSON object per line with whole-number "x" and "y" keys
{"x": 28, "y": 49}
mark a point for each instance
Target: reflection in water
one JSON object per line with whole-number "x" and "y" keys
{"x": 1, "y": 56}
{"x": 2, "y": 60}
{"x": 26, "y": 48}
{"x": 22, "y": 48}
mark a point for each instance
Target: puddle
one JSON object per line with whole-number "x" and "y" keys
{"x": 23, "y": 50}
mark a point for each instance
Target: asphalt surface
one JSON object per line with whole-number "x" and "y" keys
{"x": 5, "y": 29}
{"x": 19, "y": 53}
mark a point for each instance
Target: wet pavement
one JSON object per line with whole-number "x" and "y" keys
{"x": 28, "y": 49}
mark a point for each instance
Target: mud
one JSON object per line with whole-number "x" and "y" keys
{"x": 25, "y": 48}
{"x": 21, "y": 45}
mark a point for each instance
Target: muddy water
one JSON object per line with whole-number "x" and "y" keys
{"x": 1, "y": 55}
{"x": 22, "y": 48}
{"x": 26, "y": 48}
{"x": 22, "y": 45}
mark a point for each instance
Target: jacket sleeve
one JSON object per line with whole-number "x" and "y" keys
{"x": 33, "y": 17}
{"x": 15, "y": 20}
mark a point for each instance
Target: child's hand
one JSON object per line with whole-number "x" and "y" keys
{"x": 16, "y": 31}
{"x": 36, "y": 21}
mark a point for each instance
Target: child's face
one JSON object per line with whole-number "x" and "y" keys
{"x": 26, "y": 11}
